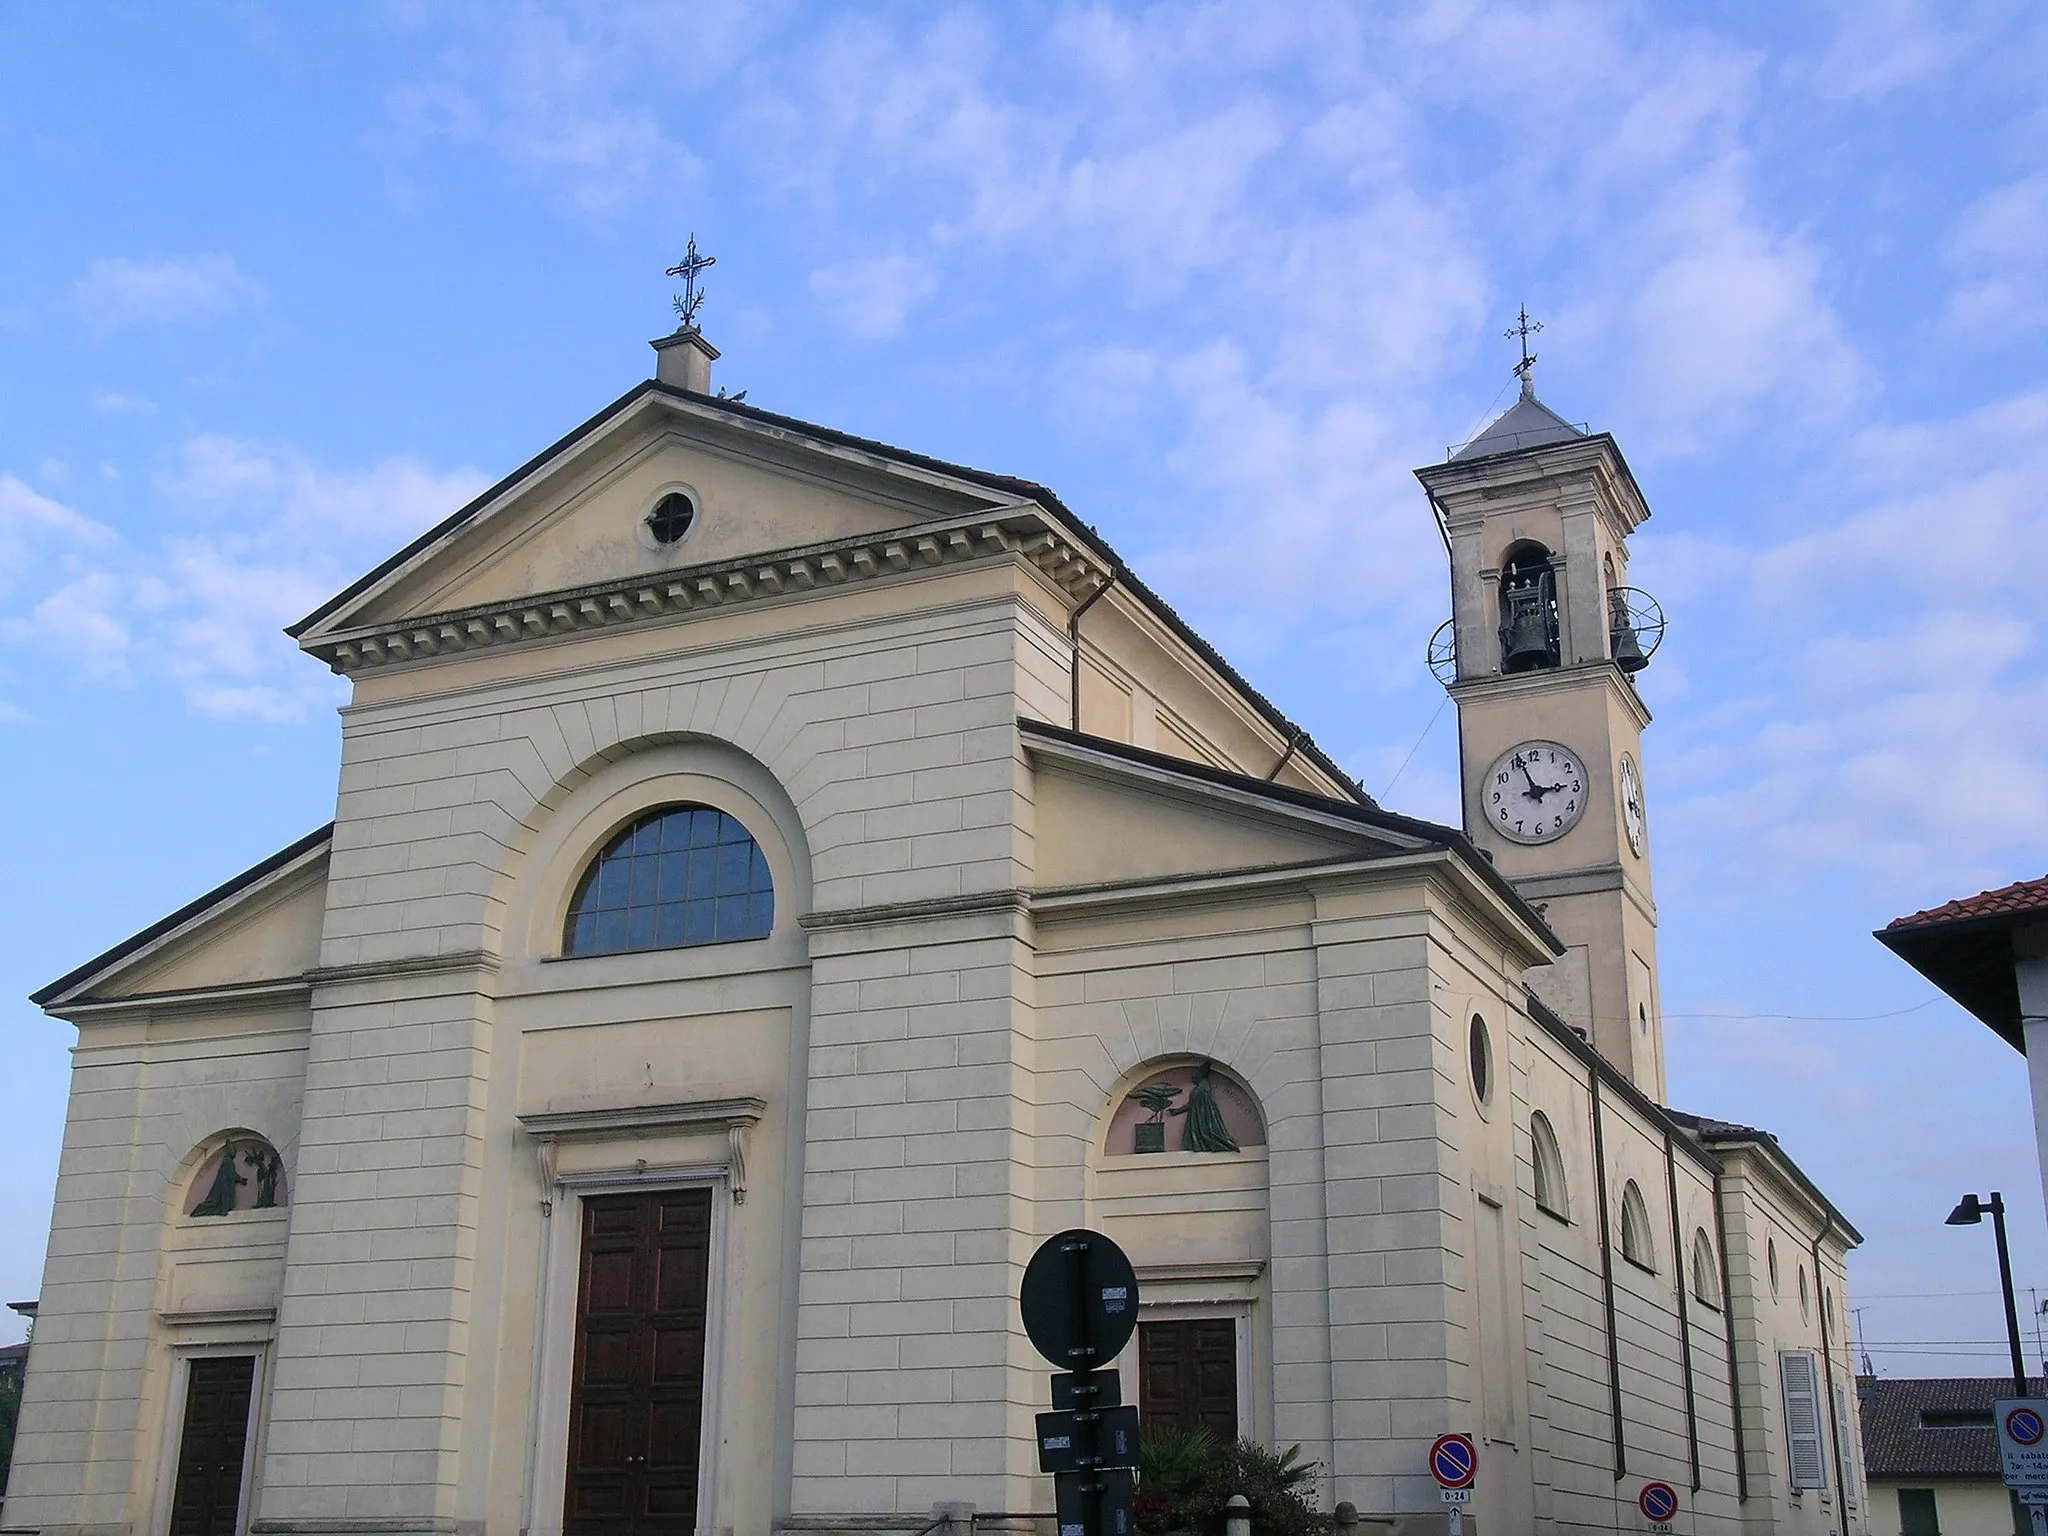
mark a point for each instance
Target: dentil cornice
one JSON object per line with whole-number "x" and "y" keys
{"x": 1024, "y": 532}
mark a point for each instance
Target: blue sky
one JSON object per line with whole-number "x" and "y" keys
{"x": 283, "y": 285}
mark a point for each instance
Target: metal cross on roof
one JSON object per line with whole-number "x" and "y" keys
{"x": 687, "y": 269}
{"x": 1524, "y": 328}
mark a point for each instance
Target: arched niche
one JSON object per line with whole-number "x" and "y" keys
{"x": 237, "y": 1171}
{"x": 1190, "y": 1106}
{"x": 1196, "y": 1221}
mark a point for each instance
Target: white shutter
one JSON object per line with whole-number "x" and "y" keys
{"x": 1847, "y": 1436}
{"x": 1803, "y": 1447}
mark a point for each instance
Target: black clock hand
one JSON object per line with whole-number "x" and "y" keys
{"x": 1538, "y": 791}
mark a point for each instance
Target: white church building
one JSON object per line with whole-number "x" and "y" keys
{"x": 778, "y": 879}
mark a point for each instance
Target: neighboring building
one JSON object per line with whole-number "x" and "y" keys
{"x": 1990, "y": 953}
{"x": 1932, "y": 1455}
{"x": 778, "y": 880}
{"x": 14, "y": 1357}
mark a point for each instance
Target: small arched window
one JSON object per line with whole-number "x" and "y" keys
{"x": 1771, "y": 1263}
{"x": 1551, "y": 1194}
{"x": 1706, "y": 1274}
{"x": 1805, "y": 1300}
{"x": 1636, "y": 1244}
{"x": 682, "y": 875}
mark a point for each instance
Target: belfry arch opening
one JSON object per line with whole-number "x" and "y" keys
{"x": 1528, "y": 609}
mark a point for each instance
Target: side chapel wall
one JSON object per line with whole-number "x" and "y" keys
{"x": 129, "y": 1280}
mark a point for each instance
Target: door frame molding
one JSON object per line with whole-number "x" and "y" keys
{"x": 554, "y": 1378}
{"x": 247, "y": 1333}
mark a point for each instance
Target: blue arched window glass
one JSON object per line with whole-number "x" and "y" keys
{"x": 685, "y": 874}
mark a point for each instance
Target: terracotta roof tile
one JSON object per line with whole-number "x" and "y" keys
{"x": 2023, "y": 896}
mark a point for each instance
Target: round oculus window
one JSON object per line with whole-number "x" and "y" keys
{"x": 671, "y": 517}
{"x": 1482, "y": 1060}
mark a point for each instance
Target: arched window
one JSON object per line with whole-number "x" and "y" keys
{"x": 1528, "y": 609}
{"x": 243, "y": 1173}
{"x": 1771, "y": 1263}
{"x": 1706, "y": 1274}
{"x": 1636, "y": 1244}
{"x": 682, "y": 875}
{"x": 1481, "y": 1053}
{"x": 1551, "y": 1194}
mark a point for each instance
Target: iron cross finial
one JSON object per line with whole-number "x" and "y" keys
{"x": 1524, "y": 328}
{"x": 687, "y": 269}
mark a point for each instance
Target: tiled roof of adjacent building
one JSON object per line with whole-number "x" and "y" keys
{"x": 1898, "y": 1441}
{"x": 1965, "y": 948}
{"x": 2023, "y": 896}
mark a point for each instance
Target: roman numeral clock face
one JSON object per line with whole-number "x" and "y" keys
{"x": 1535, "y": 792}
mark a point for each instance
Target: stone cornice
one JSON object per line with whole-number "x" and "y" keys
{"x": 1023, "y": 532}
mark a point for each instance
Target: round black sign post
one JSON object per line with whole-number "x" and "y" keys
{"x": 1080, "y": 1304}
{"x": 1079, "y": 1299}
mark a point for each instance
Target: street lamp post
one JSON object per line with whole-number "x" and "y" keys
{"x": 1969, "y": 1212}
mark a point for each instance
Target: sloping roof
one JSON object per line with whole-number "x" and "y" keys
{"x": 1008, "y": 485}
{"x": 1897, "y": 1445}
{"x": 2019, "y": 898}
{"x": 185, "y": 914}
{"x": 1718, "y": 1133}
{"x": 1365, "y": 814}
{"x": 1528, "y": 423}
{"x": 1965, "y": 948}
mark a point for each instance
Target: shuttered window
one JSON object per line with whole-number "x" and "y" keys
{"x": 1847, "y": 1438}
{"x": 1804, "y": 1451}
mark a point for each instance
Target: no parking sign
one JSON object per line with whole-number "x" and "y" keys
{"x": 2023, "y": 1441}
{"x": 1658, "y": 1502}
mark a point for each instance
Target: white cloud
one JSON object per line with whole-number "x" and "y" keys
{"x": 872, "y": 298}
{"x": 123, "y": 405}
{"x": 117, "y": 292}
{"x": 2000, "y": 251}
{"x": 34, "y": 528}
{"x": 250, "y": 539}
{"x": 1895, "y": 714}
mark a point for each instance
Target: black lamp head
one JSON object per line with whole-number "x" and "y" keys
{"x": 1968, "y": 1212}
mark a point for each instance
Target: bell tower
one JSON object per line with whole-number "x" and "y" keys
{"x": 1544, "y": 639}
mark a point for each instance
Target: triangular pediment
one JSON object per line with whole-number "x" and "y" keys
{"x": 1105, "y": 818}
{"x": 261, "y": 927}
{"x": 576, "y": 518}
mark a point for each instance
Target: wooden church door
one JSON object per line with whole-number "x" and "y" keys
{"x": 637, "y": 1395}
{"x": 207, "y": 1497}
{"x": 1187, "y": 1376}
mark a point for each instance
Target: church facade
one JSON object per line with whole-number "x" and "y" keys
{"x": 776, "y": 881}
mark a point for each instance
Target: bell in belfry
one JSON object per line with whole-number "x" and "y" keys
{"x": 1622, "y": 641}
{"x": 1523, "y": 643}
{"x": 1525, "y": 628}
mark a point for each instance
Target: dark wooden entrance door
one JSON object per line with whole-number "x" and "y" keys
{"x": 207, "y": 1499}
{"x": 1187, "y": 1376}
{"x": 637, "y": 1398}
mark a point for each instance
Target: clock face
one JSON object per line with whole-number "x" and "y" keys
{"x": 1534, "y": 793}
{"x": 1632, "y": 804}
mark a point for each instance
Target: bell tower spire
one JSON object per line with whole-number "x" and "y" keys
{"x": 1540, "y": 653}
